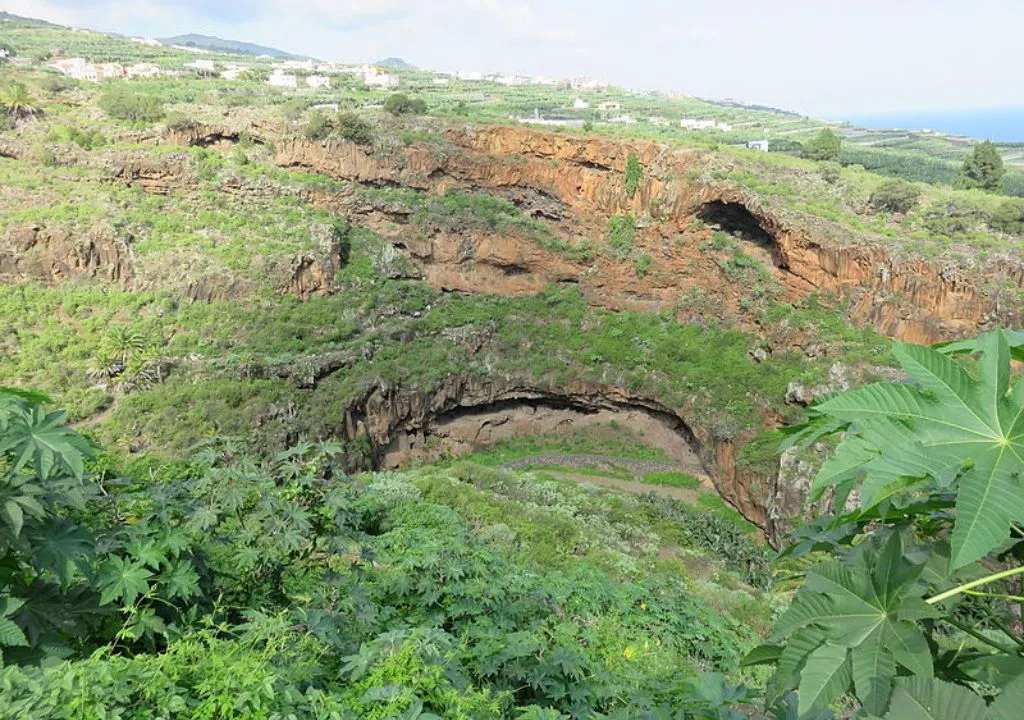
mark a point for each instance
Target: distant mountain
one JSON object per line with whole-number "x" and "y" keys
{"x": 236, "y": 47}
{"x": 6, "y": 16}
{"x": 396, "y": 63}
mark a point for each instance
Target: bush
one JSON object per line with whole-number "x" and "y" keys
{"x": 318, "y": 127}
{"x": 983, "y": 168}
{"x": 85, "y": 139}
{"x": 642, "y": 263}
{"x": 45, "y": 156}
{"x": 621, "y": 231}
{"x": 122, "y": 104}
{"x": 825, "y": 146}
{"x": 1009, "y": 218}
{"x": 6, "y": 122}
{"x": 633, "y": 175}
{"x": 354, "y": 128}
{"x": 897, "y": 196}
{"x": 179, "y": 122}
{"x": 402, "y": 104}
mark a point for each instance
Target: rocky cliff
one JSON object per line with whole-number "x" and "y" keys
{"x": 582, "y": 178}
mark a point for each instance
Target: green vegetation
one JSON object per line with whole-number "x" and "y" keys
{"x": 918, "y": 600}
{"x": 123, "y": 104}
{"x": 402, "y": 104}
{"x": 621, "y": 233}
{"x": 983, "y": 168}
{"x": 825, "y": 146}
{"x": 352, "y": 127}
{"x": 896, "y": 196}
{"x": 16, "y": 102}
{"x": 634, "y": 173}
{"x": 452, "y": 593}
{"x": 672, "y": 479}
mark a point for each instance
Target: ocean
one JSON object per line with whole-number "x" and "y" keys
{"x": 997, "y": 124}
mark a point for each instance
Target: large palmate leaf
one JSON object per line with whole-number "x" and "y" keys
{"x": 44, "y": 441}
{"x": 853, "y": 625}
{"x": 951, "y": 431}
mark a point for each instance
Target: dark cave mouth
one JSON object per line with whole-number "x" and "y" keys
{"x": 735, "y": 219}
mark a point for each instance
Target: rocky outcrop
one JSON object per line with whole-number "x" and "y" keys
{"x": 52, "y": 256}
{"x": 583, "y": 178}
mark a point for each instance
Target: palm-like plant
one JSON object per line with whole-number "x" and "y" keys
{"x": 17, "y": 102}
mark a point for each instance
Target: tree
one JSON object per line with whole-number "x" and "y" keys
{"x": 897, "y": 196}
{"x": 402, "y": 104}
{"x": 983, "y": 168}
{"x": 824, "y": 146}
{"x": 354, "y": 128}
{"x": 17, "y": 102}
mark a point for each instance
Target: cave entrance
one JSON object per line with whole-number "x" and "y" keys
{"x": 735, "y": 219}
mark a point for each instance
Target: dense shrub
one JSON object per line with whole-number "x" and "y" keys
{"x": 86, "y": 139}
{"x": 402, "y": 104}
{"x": 1008, "y": 217}
{"x": 621, "y": 231}
{"x": 897, "y": 196}
{"x": 318, "y": 127}
{"x": 983, "y": 168}
{"x": 352, "y": 127}
{"x": 123, "y": 104}
{"x": 634, "y": 172}
{"x": 825, "y": 146}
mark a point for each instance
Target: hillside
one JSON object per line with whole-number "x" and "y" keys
{"x": 382, "y": 409}
{"x": 219, "y": 45}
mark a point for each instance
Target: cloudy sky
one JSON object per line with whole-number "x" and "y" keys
{"x": 822, "y": 57}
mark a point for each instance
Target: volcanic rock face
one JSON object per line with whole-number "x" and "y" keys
{"x": 36, "y": 253}
{"x": 582, "y": 180}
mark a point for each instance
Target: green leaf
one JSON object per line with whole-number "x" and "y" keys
{"x": 1010, "y": 703}
{"x": 909, "y": 647}
{"x": 919, "y": 698}
{"x": 11, "y": 635}
{"x": 45, "y": 440}
{"x": 15, "y": 517}
{"x": 873, "y": 671}
{"x": 953, "y": 428}
{"x": 825, "y": 677}
{"x": 762, "y": 655}
{"x": 122, "y": 580}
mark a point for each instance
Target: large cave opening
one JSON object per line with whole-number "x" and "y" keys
{"x": 735, "y": 219}
{"x": 468, "y": 429}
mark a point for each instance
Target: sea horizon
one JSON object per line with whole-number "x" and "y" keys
{"x": 1004, "y": 124}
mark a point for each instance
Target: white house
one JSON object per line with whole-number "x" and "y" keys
{"x": 441, "y": 80}
{"x": 586, "y": 83}
{"x": 761, "y": 145}
{"x": 146, "y": 41}
{"x": 580, "y": 104}
{"x": 232, "y": 73}
{"x": 610, "y": 106}
{"x": 724, "y": 127}
{"x": 696, "y": 124}
{"x": 469, "y": 75}
{"x": 76, "y": 68}
{"x": 318, "y": 81}
{"x": 204, "y": 65}
{"x": 280, "y": 79}
{"x": 623, "y": 120}
{"x": 658, "y": 121}
{"x": 142, "y": 70}
{"x": 375, "y": 78}
{"x": 511, "y": 80}
{"x": 307, "y": 65}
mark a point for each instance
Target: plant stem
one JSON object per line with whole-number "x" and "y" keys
{"x": 971, "y": 631}
{"x": 975, "y": 583}
{"x": 982, "y": 593}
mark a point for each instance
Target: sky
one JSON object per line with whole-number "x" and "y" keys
{"x": 827, "y": 58}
